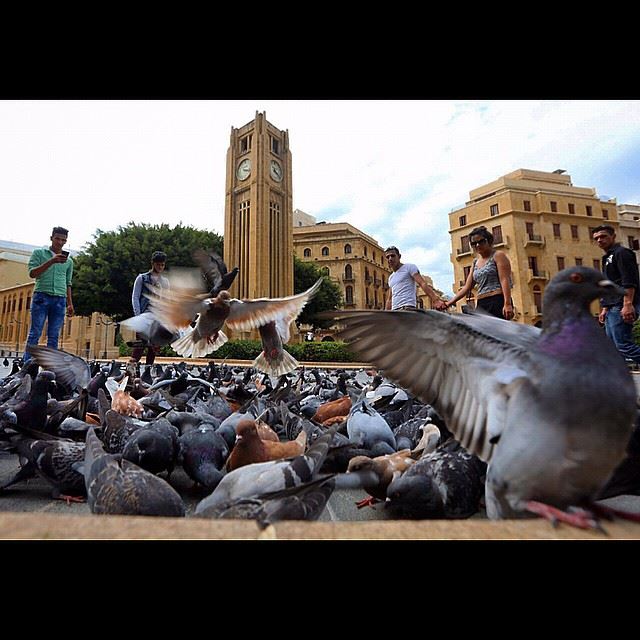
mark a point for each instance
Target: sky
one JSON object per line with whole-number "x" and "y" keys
{"x": 393, "y": 168}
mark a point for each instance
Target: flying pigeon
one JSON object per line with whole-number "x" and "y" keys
{"x": 550, "y": 410}
{"x": 175, "y": 308}
{"x": 214, "y": 271}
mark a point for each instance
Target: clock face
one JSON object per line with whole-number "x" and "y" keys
{"x": 276, "y": 170}
{"x": 244, "y": 169}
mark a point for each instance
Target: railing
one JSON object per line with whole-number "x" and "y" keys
{"x": 537, "y": 274}
{"x": 377, "y": 282}
{"x": 534, "y": 238}
{"x": 503, "y": 242}
{"x": 348, "y": 279}
{"x": 463, "y": 252}
{"x": 368, "y": 279}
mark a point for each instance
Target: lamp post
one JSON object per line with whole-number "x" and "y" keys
{"x": 18, "y": 323}
{"x": 106, "y": 324}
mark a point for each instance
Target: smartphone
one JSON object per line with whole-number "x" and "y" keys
{"x": 65, "y": 254}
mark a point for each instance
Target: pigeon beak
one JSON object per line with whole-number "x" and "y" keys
{"x": 611, "y": 286}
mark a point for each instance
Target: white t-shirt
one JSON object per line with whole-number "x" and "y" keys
{"x": 403, "y": 286}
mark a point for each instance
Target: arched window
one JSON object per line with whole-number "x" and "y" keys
{"x": 348, "y": 272}
{"x": 325, "y": 271}
{"x": 307, "y": 253}
{"x": 348, "y": 292}
{"x": 347, "y": 248}
{"x": 325, "y": 251}
{"x": 373, "y": 257}
{"x": 537, "y": 298}
{"x": 366, "y": 273}
{"x": 365, "y": 252}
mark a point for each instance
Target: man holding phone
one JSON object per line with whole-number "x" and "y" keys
{"x": 52, "y": 269}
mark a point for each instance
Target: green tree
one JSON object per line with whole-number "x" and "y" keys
{"x": 328, "y": 298}
{"x": 105, "y": 271}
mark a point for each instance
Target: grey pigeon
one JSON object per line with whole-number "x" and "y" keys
{"x": 368, "y": 429}
{"x": 203, "y": 453}
{"x": 214, "y": 271}
{"x": 550, "y": 410}
{"x": 71, "y": 370}
{"x": 119, "y": 487}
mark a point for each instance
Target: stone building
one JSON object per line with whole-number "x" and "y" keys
{"x": 541, "y": 221}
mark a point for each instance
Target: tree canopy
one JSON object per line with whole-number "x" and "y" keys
{"x": 104, "y": 272}
{"x": 328, "y": 298}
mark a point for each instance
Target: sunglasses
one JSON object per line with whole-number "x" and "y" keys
{"x": 477, "y": 242}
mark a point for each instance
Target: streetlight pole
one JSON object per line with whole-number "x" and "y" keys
{"x": 18, "y": 323}
{"x": 106, "y": 324}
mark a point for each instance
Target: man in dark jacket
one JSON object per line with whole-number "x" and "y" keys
{"x": 151, "y": 278}
{"x": 619, "y": 312}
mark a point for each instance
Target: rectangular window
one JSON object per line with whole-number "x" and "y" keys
{"x": 578, "y": 262}
{"x": 589, "y": 210}
{"x": 466, "y": 272}
{"x": 494, "y": 209}
{"x": 245, "y": 144}
{"x": 275, "y": 145}
{"x": 497, "y": 234}
{"x": 527, "y": 205}
{"x": 554, "y": 206}
{"x": 560, "y": 263}
{"x": 529, "y": 227}
{"x": 463, "y": 220}
{"x": 605, "y": 214}
{"x": 464, "y": 243}
{"x": 572, "y": 207}
{"x": 630, "y": 242}
{"x": 556, "y": 230}
{"x": 596, "y": 264}
{"x": 574, "y": 231}
{"x": 591, "y": 231}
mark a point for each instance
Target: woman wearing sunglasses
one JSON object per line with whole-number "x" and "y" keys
{"x": 491, "y": 272}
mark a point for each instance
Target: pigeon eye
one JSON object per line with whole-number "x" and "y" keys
{"x": 575, "y": 277}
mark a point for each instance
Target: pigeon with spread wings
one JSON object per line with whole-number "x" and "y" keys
{"x": 176, "y": 307}
{"x": 550, "y": 410}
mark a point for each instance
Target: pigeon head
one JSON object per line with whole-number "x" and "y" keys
{"x": 246, "y": 428}
{"x": 579, "y": 285}
{"x": 414, "y": 496}
{"x": 360, "y": 463}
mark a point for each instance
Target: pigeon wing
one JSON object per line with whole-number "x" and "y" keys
{"x": 251, "y": 314}
{"x": 71, "y": 370}
{"x": 466, "y": 375}
{"x": 212, "y": 267}
{"x": 176, "y": 307}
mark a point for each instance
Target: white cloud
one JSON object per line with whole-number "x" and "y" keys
{"x": 395, "y": 169}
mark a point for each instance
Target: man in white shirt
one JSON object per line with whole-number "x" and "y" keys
{"x": 402, "y": 283}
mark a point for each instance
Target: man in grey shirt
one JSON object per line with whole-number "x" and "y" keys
{"x": 402, "y": 283}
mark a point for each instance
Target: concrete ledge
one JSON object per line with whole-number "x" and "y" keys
{"x": 29, "y": 526}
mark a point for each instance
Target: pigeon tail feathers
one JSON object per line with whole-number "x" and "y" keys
{"x": 282, "y": 365}
{"x": 187, "y": 347}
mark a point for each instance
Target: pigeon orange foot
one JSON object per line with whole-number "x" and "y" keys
{"x": 367, "y": 502}
{"x": 576, "y": 518}
{"x": 70, "y": 499}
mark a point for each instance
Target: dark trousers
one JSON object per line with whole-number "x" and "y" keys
{"x": 492, "y": 305}
{"x": 137, "y": 352}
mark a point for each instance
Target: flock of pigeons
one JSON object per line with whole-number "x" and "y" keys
{"x": 461, "y": 410}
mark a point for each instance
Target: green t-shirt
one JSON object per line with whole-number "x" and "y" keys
{"x": 56, "y": 278}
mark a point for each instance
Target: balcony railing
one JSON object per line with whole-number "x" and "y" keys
{"x": 537, "y": 274}
{"x": 349, "y": 305}
{"x": 368, "y": 279}
{"x": 534, "y": 238}
{"x": 348, "y": 279}
{"x": 377, "y": 282}
{"x": 463, "y": 252}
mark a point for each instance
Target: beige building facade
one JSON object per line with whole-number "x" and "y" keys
{"x": 90, "y": 337}
{"x": 541, "y": 221}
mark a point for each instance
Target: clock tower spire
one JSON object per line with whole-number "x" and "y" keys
{"x": 258, "y": 215}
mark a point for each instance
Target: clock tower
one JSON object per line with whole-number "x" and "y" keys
{"x": 258, "y": 213}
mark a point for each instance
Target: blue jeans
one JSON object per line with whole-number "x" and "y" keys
{"x": 621, "y": 333}
{"x": 50, "y": 308}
